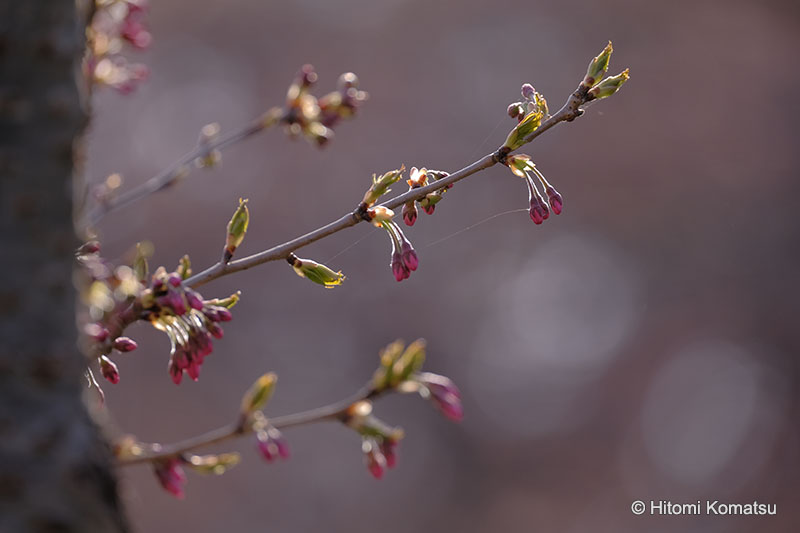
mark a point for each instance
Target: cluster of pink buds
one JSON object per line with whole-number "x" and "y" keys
{"x": 522, "y": 166}
{"x": 117, "y": 23}
{"x": 532, "y": 102}
{"x": 380, "y": 454}
{"x": 404, "y": 258}
{"x": 272, "y": 444}
{"x": 420, "y": 177}
{"x": 315, "y": 118}
{"x": 171, "y": 476}
{"x": 188, "y": 320}
{"x": 379, "y": 441}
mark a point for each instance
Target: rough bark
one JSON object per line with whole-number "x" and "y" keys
{"x": 55, "y": 473}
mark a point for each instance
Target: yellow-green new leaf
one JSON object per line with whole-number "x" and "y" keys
{"x": 259, "y": 394}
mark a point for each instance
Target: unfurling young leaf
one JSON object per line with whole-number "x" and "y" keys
{"x": 237, "y": 228}
{"x": 316, "y": 272}
{"x": 259, "y": 394}
{"x": 528, "y": 125}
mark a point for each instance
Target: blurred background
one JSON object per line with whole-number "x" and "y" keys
{"x": 641, "y": 346}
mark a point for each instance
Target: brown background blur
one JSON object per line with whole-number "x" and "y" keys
{"x": 641, "y": 346}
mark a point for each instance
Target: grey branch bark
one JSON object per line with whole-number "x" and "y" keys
{"x": 55, "y": 468}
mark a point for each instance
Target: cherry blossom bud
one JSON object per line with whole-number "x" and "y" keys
{"x": 124, "y": 344}
{"x": 388, "y": 448}
{"x": 176, "y": 303}
{"x": 374, "y": 458}
{"x": 171, "y": 476}
{"x": 96, "y": 332}
{"x": 223, "y": 315}
{"x": 347, "y": 81}
{"x": 409, "y": 256}
{"x": 399, "y": 269}
{"x": 306, "y": 77}
{"x": 410, "y": 213}
{"x": 215, "y": 330}
{"x": 272, "y": 444}
{"x": 175, "y": 371}
{"x": 515, "y": 110}
{"x": 555, "y": 200}
{"x": 193, "y": 299}
{"x": 109, "y": 369}
{"x": 443, "y": 393}
{"x": 528, "y": 91}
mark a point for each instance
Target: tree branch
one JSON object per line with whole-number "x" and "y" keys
{"x": 334, "y": 411}
{"x": 569, "y": 112}
{"x": 178, "y": 169}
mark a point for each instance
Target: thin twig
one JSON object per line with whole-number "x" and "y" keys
{"x": 178, "y": 169}
{"x": 334, "y": 411}
{"x": 567, "y": 113}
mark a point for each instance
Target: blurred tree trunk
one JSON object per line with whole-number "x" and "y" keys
{"x": 55, "y": 473}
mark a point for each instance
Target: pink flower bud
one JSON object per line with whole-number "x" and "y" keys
{"x": 399, "y": 268}
{"x": 193, "y": 370}
{"x": 528, "y": 91}
{"x": 555, "y": 199}
{"x": 272, "y": 444}
{"x": 175, "y": 302}
{"x": 193, "y": 299}
{"x": 175, "y": 372}
{"x": 215, "y": 330}
{"x": 124, "y": 344}
{"x": 410, "y": 213}
{"x": 96, "y": 332}
{"x": 376, "y": 462}
{"x": 409, "y": 256}
{"x": 171, "y": 476}
{"x": 109, "y": 369}
{"x": 223, "y": 315}
{"x": 444, "y": 394}
{"x": 388, "y": 448}
{"x": 174, "y": 279}
{"x": 536, "y": 212}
